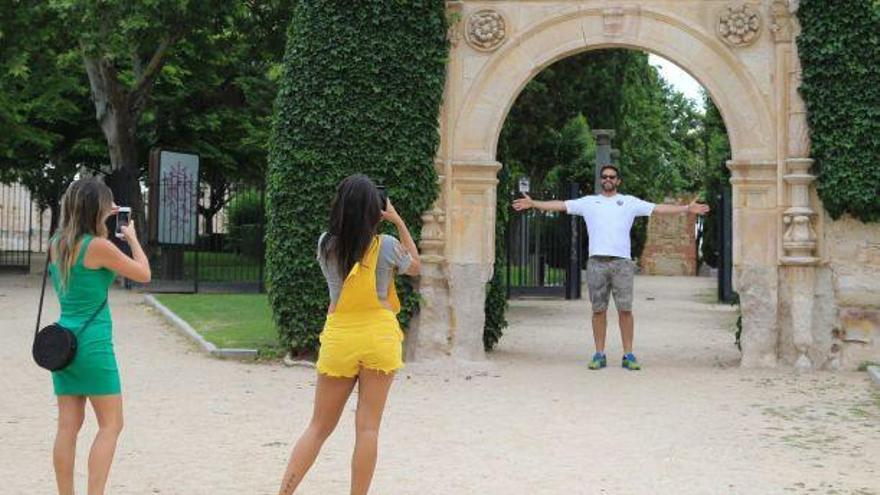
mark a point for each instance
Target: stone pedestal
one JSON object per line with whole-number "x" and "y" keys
{"x": 428, "y": 337}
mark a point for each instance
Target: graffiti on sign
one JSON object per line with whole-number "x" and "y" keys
{"x": 178, "y": 198}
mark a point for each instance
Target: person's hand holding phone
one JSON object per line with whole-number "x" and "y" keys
{"x": 124, "y": 227}
{"x": 391, "y": 215}
{"x": 128, "y": 233}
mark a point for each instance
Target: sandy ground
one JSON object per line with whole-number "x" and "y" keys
{"x": 530, "y": 420}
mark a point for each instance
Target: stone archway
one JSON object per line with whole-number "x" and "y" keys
{"x": 742, "y": 53}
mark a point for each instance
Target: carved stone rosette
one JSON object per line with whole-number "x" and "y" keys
{"x": 486, "y": 30}
{"x": 739, "y": 25}
{"x": 799, "y": 240}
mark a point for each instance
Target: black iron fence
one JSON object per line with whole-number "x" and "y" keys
{"x": 544, "y": 250}
{"x": 221, "y": 251}
{"x": 24, "y": 228}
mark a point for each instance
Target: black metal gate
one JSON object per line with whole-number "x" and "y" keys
{"x": 544, "y": 254}
{"x": 228, "y": 254}
{"x": 725, "y": 247}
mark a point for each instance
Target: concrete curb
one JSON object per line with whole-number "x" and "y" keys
{"x": 874, "y": 373}
{"x": 301, "y": 363}
{"x": 191, "y": 333}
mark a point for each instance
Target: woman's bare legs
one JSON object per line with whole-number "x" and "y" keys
{"x": 108, "y": 410}
{"x": 373, "y": 387}
{"x": 331, "y": 394}
{"x": 71, "y": 412}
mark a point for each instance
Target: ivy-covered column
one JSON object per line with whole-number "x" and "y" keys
{"x": 360, "y": 93}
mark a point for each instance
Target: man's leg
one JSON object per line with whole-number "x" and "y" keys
{"x": 599, "y": 284}
{"x": 626, "y": 330}
{"x": 622, "y": 280}
{"x": 600, "y": 327}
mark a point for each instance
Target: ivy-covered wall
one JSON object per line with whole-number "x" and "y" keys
{"x": 361, "y": 92}
{"x": 840, "y": 52}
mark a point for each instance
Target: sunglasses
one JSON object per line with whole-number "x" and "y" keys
{"x": 609, "y": 177}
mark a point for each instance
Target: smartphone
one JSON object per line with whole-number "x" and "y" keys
{"x": 383, "y": 194}
{"x": 123, "y": 216}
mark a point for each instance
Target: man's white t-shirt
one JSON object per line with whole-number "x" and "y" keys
{"x": 609, "y": 220}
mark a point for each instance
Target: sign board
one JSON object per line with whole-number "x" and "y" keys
{"x": 174, "y": 196}
{"x": 524, "y": 185}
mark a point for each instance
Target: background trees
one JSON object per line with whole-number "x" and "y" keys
{"x": 98, "y": 84}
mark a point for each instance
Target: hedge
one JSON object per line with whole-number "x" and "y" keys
{"x": 839, "y": 48}
{"x": 361, "y": 92}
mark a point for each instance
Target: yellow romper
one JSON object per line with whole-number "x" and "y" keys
{"x": 361, "y": 332}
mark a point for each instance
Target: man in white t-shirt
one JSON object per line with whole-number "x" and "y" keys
{"x": 609, "y": 217}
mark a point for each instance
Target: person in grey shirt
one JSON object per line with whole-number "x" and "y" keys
{"x": 393, "y": 257}
{"x": 361, "y": 342}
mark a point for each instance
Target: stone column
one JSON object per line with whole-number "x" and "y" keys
{"x": 429, "y": 332}
{"x": 458, "y": 255}
{"x": 429, "y": 336}
{"x": 471, "y": 253}
{"x": 604, "y": 154}
{"x": 755, "y": 257}
{"x": 799, "y": 241}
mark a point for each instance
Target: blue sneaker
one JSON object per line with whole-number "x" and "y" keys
{"x": 598, "y": 362}
{"x": 629, "y": 362}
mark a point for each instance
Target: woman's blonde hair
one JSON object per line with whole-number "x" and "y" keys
{"x": 84, "y": 207}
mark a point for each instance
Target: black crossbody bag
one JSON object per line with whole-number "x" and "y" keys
{"x": 55, "y": 346}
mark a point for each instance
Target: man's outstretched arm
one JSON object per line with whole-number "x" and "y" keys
{"x": 527, "y": 202}
{"x": 694, "y": 207}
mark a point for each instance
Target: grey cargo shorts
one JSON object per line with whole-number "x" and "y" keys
{"x": 607, "y": 274}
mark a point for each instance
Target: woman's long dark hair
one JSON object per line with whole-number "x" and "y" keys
{"x": 354, "y": 220}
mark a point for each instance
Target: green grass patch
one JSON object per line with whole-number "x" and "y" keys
{"x": 528, "y": 276}
{"x": 228, "y": 320}
{"x": 221, "y": 267}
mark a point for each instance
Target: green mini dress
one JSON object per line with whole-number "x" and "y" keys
{"x": 93, "y": 370}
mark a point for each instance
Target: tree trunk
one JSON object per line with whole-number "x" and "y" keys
{"x": 124, "y": 179}
{"x": 118, "y": 118}
{"x": 118, "y": 108}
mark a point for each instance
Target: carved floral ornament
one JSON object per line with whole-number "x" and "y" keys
{"x": 486, "y": 30}
{"x": 739, "y": 25}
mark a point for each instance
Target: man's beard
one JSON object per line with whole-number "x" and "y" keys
{"x": 608, "y": 187}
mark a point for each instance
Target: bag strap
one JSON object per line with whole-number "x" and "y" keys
{"x": 42, "y": 292}
{"x": 91, "y": 318}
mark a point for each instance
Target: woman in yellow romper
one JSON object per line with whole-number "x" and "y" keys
{"x": 361, "y": 341}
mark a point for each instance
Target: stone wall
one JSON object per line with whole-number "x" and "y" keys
{"x": 851, "y": 287}
{"x": 671, "y": 245}
{"x": 842, "y": 329}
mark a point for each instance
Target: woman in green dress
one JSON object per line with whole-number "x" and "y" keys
{"x": 83, "y": 265}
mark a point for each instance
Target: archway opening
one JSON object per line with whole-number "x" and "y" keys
{"x": 662, "y": 130}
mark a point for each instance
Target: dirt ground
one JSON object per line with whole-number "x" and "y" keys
{"x": 532, "y": 419}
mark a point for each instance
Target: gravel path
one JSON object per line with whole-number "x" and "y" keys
{"x": 530, "y": 420}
